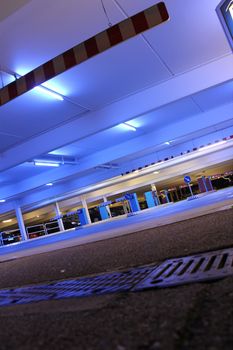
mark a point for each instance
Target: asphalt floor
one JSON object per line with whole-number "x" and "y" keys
{"x": 195, "y": 316}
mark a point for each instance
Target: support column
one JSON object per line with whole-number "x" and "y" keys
{"x": 156, "y": 197}
{"x": 107, "y": 207}
{"x": 21, "y": 225}
{"x": 84, "y": 205}
{"x": 58, "y": 213}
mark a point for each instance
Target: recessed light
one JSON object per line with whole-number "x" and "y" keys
{"x": 51, "y": 93}
{"x": 47, "y": 164}
{"x": 128, "y": 126}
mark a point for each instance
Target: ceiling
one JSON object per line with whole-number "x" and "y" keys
{"x": 172, "y": 83}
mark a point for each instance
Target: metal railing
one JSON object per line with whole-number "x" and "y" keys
{"x": 9, "y": 236}
{"x": 42, "y": 229}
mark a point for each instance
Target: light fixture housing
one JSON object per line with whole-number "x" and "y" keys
{"x": 128, "y": 126}
{"x": 46, "y": 91}
{"x": 49, "y": 164}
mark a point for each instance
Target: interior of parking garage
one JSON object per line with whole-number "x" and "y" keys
{"x": 116, "y": 174}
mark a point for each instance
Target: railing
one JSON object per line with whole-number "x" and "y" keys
{"x": 8, "y": 237}
{"x": 42, "y": 229}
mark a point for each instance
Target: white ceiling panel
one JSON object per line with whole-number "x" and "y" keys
{"x": 43, "y": 29}
{"x": 166, "y": 115}
{"x": 20, "y": 172}
{"x": 34, "y": 113}
{"x": 215, "y": 96}
{"x": 10, "y": 6}
{"x": 120, "y": 71}
{"x": 133, "y": 6}
{"x": 102, "y": 140}
{"x": 192, "y": 37}
{"x": 7, "y": 141}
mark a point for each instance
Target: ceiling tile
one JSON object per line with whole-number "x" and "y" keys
{"x": 192, "y": 36}
{"x": 120, "y": 71}
{"x": 33, "y": 113}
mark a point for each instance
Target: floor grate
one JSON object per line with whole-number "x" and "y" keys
{"x": 196, "y": 268}
{"x": 171, "y": 272}
{"x": 81, "y": 287}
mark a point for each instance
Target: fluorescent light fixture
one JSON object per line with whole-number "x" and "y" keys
{"x": 2, "y": 200}
{"x": 167, "y": 143}
{"x": 5, "y": 221}
{"x": 51, "y": 93}
{"x": 47, "y": 164}
{"x": 49, "y": 184}
{"x": 211, "y": 146}
{"x": 128, "y": 126}
{"x": 156, "y": 172}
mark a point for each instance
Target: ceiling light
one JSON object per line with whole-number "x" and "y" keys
{"x": 49, "y": 184}
{"x": 167, "y": 143}
{"x": 5, "y": 221}
{"x": 47, "y": 164}
{"x": 211, "y": 146}
{"x": 128, "y": 126}
{"x": 156, "y": 172}
{"x": 51, "y": 93}
{"x": 2, "y": 200}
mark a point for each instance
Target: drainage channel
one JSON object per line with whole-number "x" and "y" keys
{"x": 172, "y": 272}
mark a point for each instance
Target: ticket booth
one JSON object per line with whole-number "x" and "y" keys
{"x": 82, "y": 216}
{"x": 132, "y": 199}
{"x": 103, "y": 210}
{"x": 152, "y": 199}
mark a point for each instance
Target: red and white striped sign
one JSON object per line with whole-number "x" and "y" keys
{"x": 110, "y": 37}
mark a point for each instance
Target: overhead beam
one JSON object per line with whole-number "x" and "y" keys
{"x": 125, "y": 149}
{"x": 97, "y": 44}
{"x": 170, "y": 170}
{"x": 126, "y": 109}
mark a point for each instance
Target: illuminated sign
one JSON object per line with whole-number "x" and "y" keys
{"x": 225, "y": 14}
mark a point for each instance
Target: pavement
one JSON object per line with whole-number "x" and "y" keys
{"x": 196, "y": 316}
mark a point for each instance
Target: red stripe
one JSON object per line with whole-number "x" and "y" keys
{"x": 114, "y": 35}
{"x": 91, "y": 47}
{"x": 140, "y": 23}
{"x": 30, "y": 80}
{"x": 69, "y": 58}
{"x": 49, "y": 71}
{"x": 163, "y": 11}
{"x": 12, "y": 90}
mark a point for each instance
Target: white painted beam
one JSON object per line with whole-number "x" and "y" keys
{"x": 140, "y": 103}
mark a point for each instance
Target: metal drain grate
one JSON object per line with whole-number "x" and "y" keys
{"x": 196, "y": 268}
{"x": 172, "y": 272}
{"x": 101, "y": 284}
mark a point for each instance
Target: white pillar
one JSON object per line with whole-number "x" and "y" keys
{"x": 19, "y": 217}
{"x": 153, "y": 187}
{"x": 84, "y": 205}
{"x": 58, "y": 213}
{"x": 107, "y": 207}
